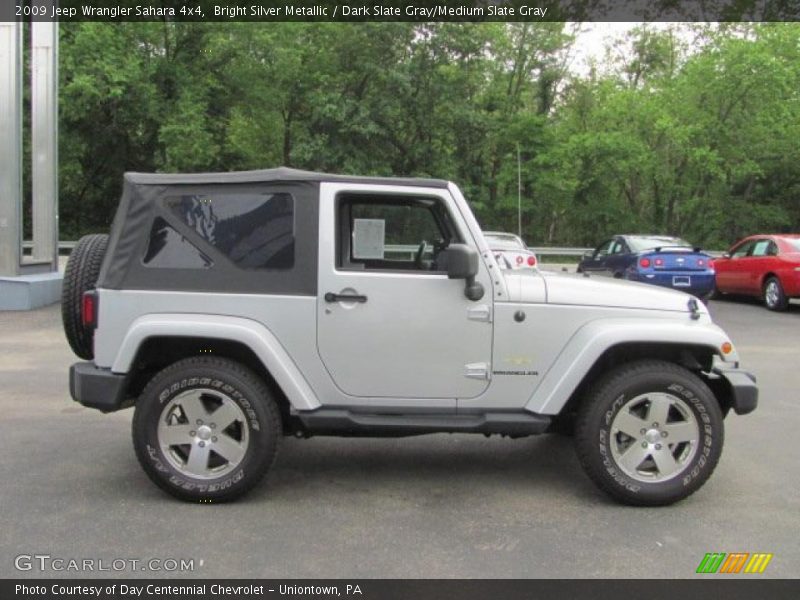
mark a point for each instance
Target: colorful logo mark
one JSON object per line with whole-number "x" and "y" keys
{"x": 734, "y": 562}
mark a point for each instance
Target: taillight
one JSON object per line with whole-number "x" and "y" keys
{"x": 701, "y": 262}
{"x": 710, "y": 263}
{"x": 659, "y": 262}
{"x": 644, "y": 263}
{"x": 531, "y": 261}
{"x": 89, "y": 309}
{"x": 519, "y": 259}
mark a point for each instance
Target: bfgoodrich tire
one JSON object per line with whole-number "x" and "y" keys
{"x": 83, "y": 268}
{"x": 649, "y": 433}
{"x": 206, "y": 429}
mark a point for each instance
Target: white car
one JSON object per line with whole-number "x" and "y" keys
{"x": 510, "y": 251}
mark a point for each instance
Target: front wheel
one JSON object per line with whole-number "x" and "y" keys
{"x": 206, "y": 429}
{"x": 650, "y": 433}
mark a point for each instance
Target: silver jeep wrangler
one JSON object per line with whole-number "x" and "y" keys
{"x": 233, "y": 309}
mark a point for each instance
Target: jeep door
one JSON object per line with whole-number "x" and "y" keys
{"x": 390, "y": 324}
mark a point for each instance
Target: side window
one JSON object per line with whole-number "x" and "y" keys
{"x": 256, "y": 231}
{"x": 761, "y": 248}
{"x": 392, "y": 232}
{"x": 168, "y": 249}
{"x": 742, "y": 250}
{"x": 773, "y": 249}
{"x": 617, "y": 248}
{"x": 604, "y": 249}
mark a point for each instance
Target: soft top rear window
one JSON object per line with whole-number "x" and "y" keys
{"x": 255, "y": 231}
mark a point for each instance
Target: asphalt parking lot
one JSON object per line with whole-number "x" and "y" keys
{"x": 434, "y": 506}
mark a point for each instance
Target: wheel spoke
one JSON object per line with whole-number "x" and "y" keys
{"x": 193, "y": 408}
{"x": 198, "y": 459}
{"x": 680, "y": 432}
{"x": 665, "y": 462}
{"x": 629, "y": 424}
{"x": 659, "y": 408}
{"x": 229, "y": 449}
{"x": 633, "y": 457}
{"x": 225, "y": 415}
{"x": 174, "y": 435}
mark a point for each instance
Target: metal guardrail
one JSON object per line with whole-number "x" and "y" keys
{"x": 65, "y": 246}
{"x": 62, "y": 246}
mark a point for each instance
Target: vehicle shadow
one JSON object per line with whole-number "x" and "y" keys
{"x": 460, "y": 464}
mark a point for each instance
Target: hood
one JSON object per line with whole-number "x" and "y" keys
{"x": 578, "y": 290}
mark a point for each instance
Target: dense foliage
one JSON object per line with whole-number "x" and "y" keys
{"x": 695, "y": 137}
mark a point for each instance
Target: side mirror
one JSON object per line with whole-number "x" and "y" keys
{"x": 726, "y": 255}
{"x": 461, "y": 262}
{"x": 588, "y": 255}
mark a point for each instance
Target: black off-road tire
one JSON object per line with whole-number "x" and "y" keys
{"x": 594, "y": 436}
{"x": 83, "y": 268}
{"x": 243, "y": 387}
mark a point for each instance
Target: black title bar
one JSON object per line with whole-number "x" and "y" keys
{"x": 387, "y": 589}
{"x": 393, "y": 10}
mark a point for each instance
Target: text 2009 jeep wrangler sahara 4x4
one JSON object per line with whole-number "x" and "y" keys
{"x": 232, "y": 309}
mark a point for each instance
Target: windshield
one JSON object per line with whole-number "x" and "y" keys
{"x": 502, "y": 241}
{"x": 794, "y": 243}
{"x": 648, "y": 243}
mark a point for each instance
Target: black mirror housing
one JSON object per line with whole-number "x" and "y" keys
{"x": 461, "y": 261}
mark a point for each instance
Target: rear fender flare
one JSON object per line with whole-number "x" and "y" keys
{"x": 245, "y": 331}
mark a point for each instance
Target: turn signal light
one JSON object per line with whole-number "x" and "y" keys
{"x": 644, "y": 263}
{"x": 519, "y": 259}
{"x": 726, "y": 348}
{"x": 659, "y": 262}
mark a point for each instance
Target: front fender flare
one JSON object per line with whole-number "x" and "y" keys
{"x": 245, "y": 331}
{"x": 589, "y": 343}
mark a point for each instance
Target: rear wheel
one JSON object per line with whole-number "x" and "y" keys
{"x": 649, "y": 433}
{"x": 773, "y": 295}
{"x": 83, "y": 268}
{"x": 206, "y": 429}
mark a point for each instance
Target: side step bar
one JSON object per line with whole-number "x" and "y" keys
{"x": 343, "y": 422}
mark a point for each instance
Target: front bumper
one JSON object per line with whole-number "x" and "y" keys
{"x": 97, "y": 388}
{"x": 743, "y": 392}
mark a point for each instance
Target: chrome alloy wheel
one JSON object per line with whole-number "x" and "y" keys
{"x": 654, "y": 437}
{"x": 203, "y": 433}
{"x": 772, "y": 294}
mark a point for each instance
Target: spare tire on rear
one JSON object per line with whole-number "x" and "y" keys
{"x": 83, "y": 268}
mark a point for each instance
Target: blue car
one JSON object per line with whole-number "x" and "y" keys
{"x": 657, "y": 259}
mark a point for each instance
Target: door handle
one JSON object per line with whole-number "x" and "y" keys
{"x": 331, "y": 297}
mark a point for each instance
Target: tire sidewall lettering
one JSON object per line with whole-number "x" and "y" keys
{"x": 154, "y": 453}
{"x": 701, "y": 460}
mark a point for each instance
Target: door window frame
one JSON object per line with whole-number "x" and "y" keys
{"x": 343, "y": 229}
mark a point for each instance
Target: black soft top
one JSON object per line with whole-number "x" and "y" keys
{"x": 281, "y": 174}
{"x": 144, "y": 198}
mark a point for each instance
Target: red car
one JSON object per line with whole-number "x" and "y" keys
{"x": 767, "y": 266}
